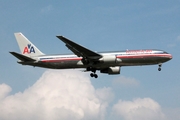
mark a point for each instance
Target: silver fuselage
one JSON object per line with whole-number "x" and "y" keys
{"x": 109, "y": 59}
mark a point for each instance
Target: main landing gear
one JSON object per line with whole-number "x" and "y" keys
{"x": 93, "y": 74}
{"x": 160, "y": 65}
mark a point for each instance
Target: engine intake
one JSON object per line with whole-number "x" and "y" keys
{"x": 111, "y": 70}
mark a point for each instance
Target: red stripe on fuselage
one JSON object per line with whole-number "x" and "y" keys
{"x": 63, "y": 59}
{"x": 144, "y": 56}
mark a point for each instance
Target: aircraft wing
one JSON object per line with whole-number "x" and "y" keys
{"x": 79, "y": 50}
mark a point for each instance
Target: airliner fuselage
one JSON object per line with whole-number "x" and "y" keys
{"x": 105, "y": 62}
{"x": 110, "y": 59}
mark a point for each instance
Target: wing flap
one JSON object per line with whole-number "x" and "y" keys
{"x": 79, "y": 50}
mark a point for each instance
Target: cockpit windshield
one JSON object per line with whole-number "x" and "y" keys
{"x": 165, "y": 52}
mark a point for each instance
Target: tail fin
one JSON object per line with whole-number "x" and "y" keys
{"x": 26, "y": 47}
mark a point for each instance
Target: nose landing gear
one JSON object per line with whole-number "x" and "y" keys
{"x": 160, "y": 65}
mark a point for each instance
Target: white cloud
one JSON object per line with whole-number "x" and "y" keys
{"x": 105, "y": 94}
{"x": 139, "y": 109}
{"x": 4, "y": 90}
{"x": 125, "y": 81}
{"x": 69, "y": 94}
{"x": 56, "y": 95}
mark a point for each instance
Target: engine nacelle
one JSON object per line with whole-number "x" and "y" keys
{"x": 109, "y": 59}
{"x": 111, "y": 70}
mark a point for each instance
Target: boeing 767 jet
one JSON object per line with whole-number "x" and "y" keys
{"x": 106, "y": 62}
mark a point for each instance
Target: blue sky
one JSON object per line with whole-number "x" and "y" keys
{"x": 99, "y": 26}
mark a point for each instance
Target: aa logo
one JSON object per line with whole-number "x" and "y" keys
{"x": 29, "y": 49}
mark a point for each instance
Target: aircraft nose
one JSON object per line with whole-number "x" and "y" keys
{"x": 170, "y": 56}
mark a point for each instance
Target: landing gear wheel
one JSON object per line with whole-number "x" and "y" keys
{"x": 94, "y": 75}
{"x": 159, "y": 69}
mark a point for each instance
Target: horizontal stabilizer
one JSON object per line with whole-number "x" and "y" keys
{"x": 22, "y": 57}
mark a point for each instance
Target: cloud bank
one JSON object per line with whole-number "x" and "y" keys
{"x": 139, "y": 109}
{"x": 69, "y": 95}
{"x": 56, "y": 95}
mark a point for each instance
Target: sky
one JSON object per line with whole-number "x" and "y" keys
{"x": 140, "y": 92}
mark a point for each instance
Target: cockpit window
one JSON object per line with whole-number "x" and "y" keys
{"x": 165, "y": 52}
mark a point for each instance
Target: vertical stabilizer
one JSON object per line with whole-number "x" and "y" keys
{"x": 26, "y": 47}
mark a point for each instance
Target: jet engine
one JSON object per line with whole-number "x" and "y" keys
{"x": 109, "y": 59}
{"x": 111, "y": 70}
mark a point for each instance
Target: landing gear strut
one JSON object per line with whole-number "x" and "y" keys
{"x": 159, "y": 69}
{"x": 93, "y": 74}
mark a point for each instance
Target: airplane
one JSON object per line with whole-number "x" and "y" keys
{"x": 106, "y": 62}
